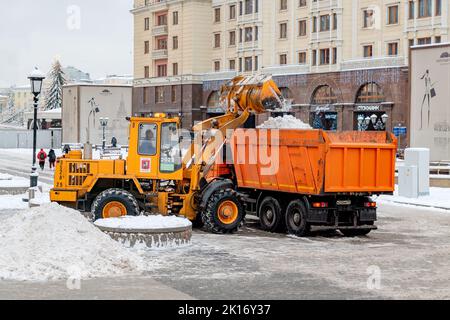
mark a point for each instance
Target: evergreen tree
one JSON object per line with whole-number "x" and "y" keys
{"x": 53, "y": 99}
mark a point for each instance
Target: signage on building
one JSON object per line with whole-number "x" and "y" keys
{"x": 326, "y": 108}
{"x": 364, "y": 108}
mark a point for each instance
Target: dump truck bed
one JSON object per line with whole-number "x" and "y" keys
{"x": 314, "y": 161}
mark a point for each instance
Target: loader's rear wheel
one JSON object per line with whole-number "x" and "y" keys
{"x": 224, "y": 212}
{"x": 296, "y": 219}
{"x": 114, "y": 203}
{"x": 271, "y": 215}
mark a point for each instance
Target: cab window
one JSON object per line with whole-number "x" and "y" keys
{"x": 170, "y": 148}
{"x": 147, "y": 139}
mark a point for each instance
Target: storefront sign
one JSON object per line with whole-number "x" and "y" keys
{"x": 368, "y": 108}
{"x": 327, "y": 108}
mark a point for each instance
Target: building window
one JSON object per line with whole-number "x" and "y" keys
{"x": 175, "y": 17}
{"x": 393, "y": 49}
{"x": 325, "y": 23}
{"x": 162, "y": 70}
{"x": 162, "y": 20}
{"x": 248, "y": 64}
{"x": 161, "y": 44}
{"x": 369, "y": 19}
{"x": 217, "y": 15}
{"x": 256, "y": 63}
{"x": 217, "y": 40}
{"x": 232, "y": 64}
{"x": 438, "y": 8}
{"x": 216, "y": 66}
{"x": 240, "y": 35}
{"x": 146, "y": 72}
{"x": 302, "y": 3}
{"x": 175, "y": 42}
{"x": 334, "y": 61}
{"x": 370, "y": 93}
{"x": 248, "y": 6}
{"x": 175, "y": 69}
{"x": 437, "y": 39}
{"x": 302, "y": 57}
{"x": 159, "y": 94}
{"x": 283, "y": 30}
{"x": 213, "y": 99}
{"x": 283, "y": 59}
{"x": 335, "y": 21}
{"x": 324, "y": 56}
{"x": 233, "y": 12}
{"x": 283, "y": 4}
{"x": 368, "y": 51}
{"x": 256, "y": 33}
{"x": 241, "y": 5}
{"x": 147, "y": 24}
{"x": 393, "y": 15}
{"x": 411, "y": 11}
{"x": 240, "y": 64}
{"x": 422, "y": 41}
{"x": 174, "y": 94}
{"x": 323, "y": 95}
{"x": 146, "y": 95}
{"x": 146, "y": 47}
{"x": 232, "y": 41}
{"x": 248, "y": 34}
{"x": 256, "y": 6}
{"x": 425, "y": 8}
{"x": 314, "y": 57}
{"x": 411, "y": 42}
{"x": 314, "y": 24}
{"x": 302, "y": 28}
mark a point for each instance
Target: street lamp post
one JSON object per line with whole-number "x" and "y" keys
{"x": 104, "y": 124}
{"x": 36, "y": 78}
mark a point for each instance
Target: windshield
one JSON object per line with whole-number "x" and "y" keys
{"x": 147, "y": 139}
{"x": 170, "y": 148}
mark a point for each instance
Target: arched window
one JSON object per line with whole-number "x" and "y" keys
{"x": 370, "y": 93}
{"x": 213, "y": 100}
{"x": 323, "y": 95}
{"x": 286, "y": 93}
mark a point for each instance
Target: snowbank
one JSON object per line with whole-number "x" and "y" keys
{"x": 286, "y": 122}
{"x": 439, "y": 198}
{"x": 144, "y": 222}
{"x": 10, "y": 202}
{"x": 52, "y": 242}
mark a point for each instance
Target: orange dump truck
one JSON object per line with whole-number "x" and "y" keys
{"x": 313, "y": 179}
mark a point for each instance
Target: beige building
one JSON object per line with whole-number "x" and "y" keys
{"x": 337, "y": 60}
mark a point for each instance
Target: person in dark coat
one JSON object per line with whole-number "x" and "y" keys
{"x": 114, "y": 142}
{"x": 52, "y": 158}
{"x": 66, "y": 149}
{"x": 41, "y": 156}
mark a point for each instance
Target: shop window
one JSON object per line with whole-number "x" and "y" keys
{"x": 370, "y": 93}
{"x": 324, "y": 95}
{"x": 213, "y": 100}
{"x": 324, "y": 120}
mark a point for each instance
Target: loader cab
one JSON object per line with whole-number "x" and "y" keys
{"x": 154, "y": 148}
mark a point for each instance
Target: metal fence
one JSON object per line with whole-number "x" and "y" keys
{"x": 12, "y": 139}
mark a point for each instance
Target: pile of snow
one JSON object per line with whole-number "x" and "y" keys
{"x": 11, "y": 202}
{"x": 52, "y": 242}
{"x": 144, "y": 222}
{"x": 286, "y": 122}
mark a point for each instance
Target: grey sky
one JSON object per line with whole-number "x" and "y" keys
{"x": 34, "y": 32}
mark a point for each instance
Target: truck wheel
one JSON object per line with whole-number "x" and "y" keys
{"x": 113, "y": 203}
{"x": 355, "y": 232}
{"x": 271, "y": 215}
{"x": 296, "y": 219}
{"x": 224, "y": 212}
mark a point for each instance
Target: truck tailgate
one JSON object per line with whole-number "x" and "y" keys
{"x": 360, "y": 162}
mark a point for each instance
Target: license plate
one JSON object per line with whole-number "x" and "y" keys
{"x": 343, "y": 202}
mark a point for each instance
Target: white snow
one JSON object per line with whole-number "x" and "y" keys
{"x": 14, "y": 182}
{"x": 53, "y": 242}
{"x": 144, "y": 222}
{"x": 286, "y": 122}
{"x": 4, "y": 176}
{"x": 439, "y": 198}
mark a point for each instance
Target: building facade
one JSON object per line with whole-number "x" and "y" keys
{"x": 337, "y": 61}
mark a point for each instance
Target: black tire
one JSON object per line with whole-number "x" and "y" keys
{"x": 296, "y": 219}
{"x": 117, "y": 195}
{"x": 210, "y": 216}
{"x": 271, "y": 215}
{"x": 351, "y": 233}
{"x": 198, "y": 222}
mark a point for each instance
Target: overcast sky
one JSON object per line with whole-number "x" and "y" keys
{"x": 95, "y": 36}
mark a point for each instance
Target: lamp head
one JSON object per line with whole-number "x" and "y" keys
{"x": 36, "y": 78}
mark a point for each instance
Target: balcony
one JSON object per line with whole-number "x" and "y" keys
{"x": 160, "y": 54}
{"x": 161, "y": 30}
{"x": 365, "y": 63}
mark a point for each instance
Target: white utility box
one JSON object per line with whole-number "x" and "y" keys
{"x": 420, "y": 157}
{"x": 408, "y": 182}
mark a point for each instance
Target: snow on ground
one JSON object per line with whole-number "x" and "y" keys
{"x": 4, "y": 176}
{"x": 286, "y": 122}
{"x": 53, "y": 242}
{"x": 14, "y": 182}
{"x": 439, "y": 198}
{"x": 144, "y": 222}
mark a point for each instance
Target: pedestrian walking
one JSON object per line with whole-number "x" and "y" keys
{"x": 114, "y": 142}
{"x": 52, "y": 158}
{"x": 66, "y": 149}
{"x": 41, "y": 156}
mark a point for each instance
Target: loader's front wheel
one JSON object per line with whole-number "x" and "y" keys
{"x": 224, "y": 212}
{"x": 114, "y": 203}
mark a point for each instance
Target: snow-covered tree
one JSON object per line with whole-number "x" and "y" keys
{"x": 53, "y": 98}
